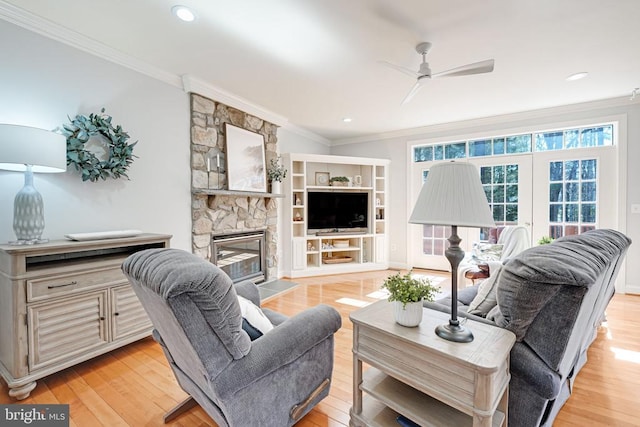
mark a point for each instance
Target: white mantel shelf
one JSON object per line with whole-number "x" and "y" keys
{"x": 212, "y": 192}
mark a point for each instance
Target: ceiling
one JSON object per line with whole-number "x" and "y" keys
{"x": 316, "y": 62}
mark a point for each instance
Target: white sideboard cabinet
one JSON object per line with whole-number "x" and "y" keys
{"x": 308, "y": 251}
{"x": 65, "y": 302}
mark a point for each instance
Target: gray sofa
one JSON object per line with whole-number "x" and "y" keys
{"x": 553, "y": 297}
{"x": 273, "y": 380}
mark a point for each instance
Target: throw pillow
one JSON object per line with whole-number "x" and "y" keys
{"x": 487, "y": 251}
{"x": 486, "y": 299}
{"x": 254, "y": 322}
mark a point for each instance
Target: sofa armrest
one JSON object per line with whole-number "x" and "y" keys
{"x": 247, "y": 289}
{"x": 526, "y": 365}
{"x": 280, "y": 346}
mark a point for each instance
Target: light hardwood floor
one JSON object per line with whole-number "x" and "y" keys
{"x": 133, "y": 386}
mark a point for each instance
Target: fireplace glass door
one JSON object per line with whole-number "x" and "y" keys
{"x": 241, "y": 256}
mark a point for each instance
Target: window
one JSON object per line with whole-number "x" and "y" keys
{"x": 598, "y": 136}
{"x": 500, "y": 184}
{"x": 572, "y": 197}
{"x": 563, "y": 139}
{"x": 434, "y": 237}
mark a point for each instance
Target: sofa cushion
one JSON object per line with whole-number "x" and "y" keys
{"x": 254, "y": 321}
{"x": 486, "y": 299}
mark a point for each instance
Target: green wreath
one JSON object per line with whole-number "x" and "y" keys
{"x": 80, "y": 130}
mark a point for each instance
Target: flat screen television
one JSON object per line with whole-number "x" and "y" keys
{"x": 337, "y": 211}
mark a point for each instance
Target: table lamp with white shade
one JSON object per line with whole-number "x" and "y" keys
{"x": 452, "y": 195}
{"x": 27, "y": 149}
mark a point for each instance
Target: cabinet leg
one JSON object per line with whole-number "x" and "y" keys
{"x": 22, "y": 392}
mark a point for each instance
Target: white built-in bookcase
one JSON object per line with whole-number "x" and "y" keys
{"x": 307, "y": 254}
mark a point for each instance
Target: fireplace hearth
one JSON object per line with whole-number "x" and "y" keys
{"x": 240, "y": 255}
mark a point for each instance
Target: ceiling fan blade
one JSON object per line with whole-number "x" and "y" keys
{"x": 465, "y": 70}
{"x": 416, "y": 87}
{"x": 404, "y": 70}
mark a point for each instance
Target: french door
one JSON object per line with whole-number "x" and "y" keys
{"x": 574, "y": 191}
{"x": 554, "y": 194}
{"x": 507, "y": 182}
{"x": 427, "y": 242}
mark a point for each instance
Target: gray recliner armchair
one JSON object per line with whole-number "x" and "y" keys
{"x": 271, "y": 381}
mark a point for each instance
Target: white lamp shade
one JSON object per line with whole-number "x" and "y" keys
{"x": 44, "y": 150}
{"x": 453, "y": 195}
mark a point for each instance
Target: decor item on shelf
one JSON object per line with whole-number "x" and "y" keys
{"x": 341, "y": 244}
{"x": 453, "y": 196}
{"x": 113, "y": 141}
{"x": 545, "y": 240}
{"x": 276, "y": 171}
{"x": 245, "y": 160}
{"x": 357, "y": 180}
{"x": 322, "y": 178}
{"x": 298, "y": 201}
{"x": 27, "y": 149}
{"x": 407, "y": 293}
{"x": 297, "y": 217}
{"x": 336, "y": 259}
{"x": 219, "y": 168}
{"x": 339, "y": 181}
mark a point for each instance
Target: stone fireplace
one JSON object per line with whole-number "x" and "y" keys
{"x": 216, "y": 210}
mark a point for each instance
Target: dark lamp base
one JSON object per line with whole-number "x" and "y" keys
{"x": 455, "y": 333}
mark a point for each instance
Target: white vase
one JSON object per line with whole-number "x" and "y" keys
{"x": 275, "y": 187}
{"x": 409, "y": 315}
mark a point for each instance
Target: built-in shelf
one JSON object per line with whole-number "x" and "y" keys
{"x": 213, "y": 192}
{"x": 366, "y": 250}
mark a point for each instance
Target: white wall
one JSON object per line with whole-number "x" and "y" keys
{"x": 43, "y": 81}
{"x": 291, "y": 142}
{"x": 397, "y": 149}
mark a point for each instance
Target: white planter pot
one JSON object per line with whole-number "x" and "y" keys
{"x": 409, "y": 315}
{"x": 275, "y": 187}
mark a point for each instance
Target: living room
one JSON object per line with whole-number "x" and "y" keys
{"x": 51, "y": 73}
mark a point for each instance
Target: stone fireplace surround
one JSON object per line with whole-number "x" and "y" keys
{"x": 213, "y": 213}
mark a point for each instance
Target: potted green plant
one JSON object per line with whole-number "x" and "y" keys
{"x": 407, "y": 292}
{"x": 544, "y": 240}
{"x": 276, "y": 172}
{"x": 339, "y": 181}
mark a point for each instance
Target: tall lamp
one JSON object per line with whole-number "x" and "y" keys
{"x": 453, "y": 195}
{"x": 26, "y": 149}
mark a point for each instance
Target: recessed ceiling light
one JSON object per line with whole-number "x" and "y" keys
{"x": 183, "y": 13}
{"x": 577, "y": 76}
{"x": 347, "y": 120}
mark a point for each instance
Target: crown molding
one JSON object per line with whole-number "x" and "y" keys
{"x": 59, "y": 33}
{"x": 196, "y": 85}
{"x": 493, "y": 120}
{"x": 39, "y": 25}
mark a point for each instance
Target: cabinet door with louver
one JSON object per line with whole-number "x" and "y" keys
{"x": 128, "y": 315}
{"x": 66, "y": 328}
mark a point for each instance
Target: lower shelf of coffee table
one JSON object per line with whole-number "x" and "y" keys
{"x": 388, "y": 397}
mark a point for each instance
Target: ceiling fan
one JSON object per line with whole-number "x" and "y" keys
{"x": 424, "y": 72}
